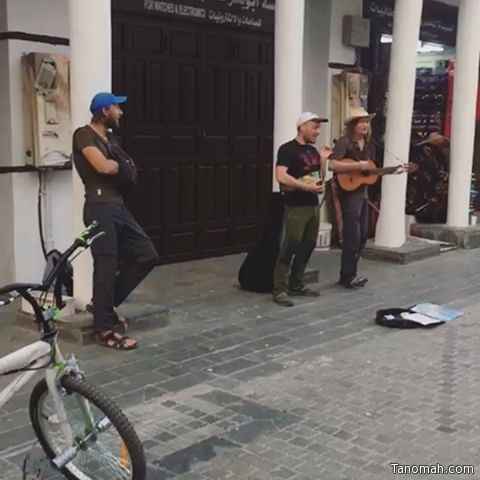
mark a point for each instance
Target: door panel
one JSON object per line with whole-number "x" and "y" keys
{"x": 198, "y": 122}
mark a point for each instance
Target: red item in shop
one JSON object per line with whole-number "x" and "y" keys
{"x": 448, "y": 110}
{"x": 448, "y": 107}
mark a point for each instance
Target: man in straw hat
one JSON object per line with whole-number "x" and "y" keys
{"x": 355, "y": 144}
{"x": 298, "y": 171}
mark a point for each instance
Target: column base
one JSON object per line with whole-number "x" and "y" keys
{"x": 463, "y": 237}
{"x": 78, "y": 328}
{"x": 412, "y": 250}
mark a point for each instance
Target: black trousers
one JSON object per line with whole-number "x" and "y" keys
{"x": 355, "y": 232}
{"x": 122, "y": 258}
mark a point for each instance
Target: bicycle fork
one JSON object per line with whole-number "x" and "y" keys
{"x": 91, "y": 427}
{"x": 55, "y": 389}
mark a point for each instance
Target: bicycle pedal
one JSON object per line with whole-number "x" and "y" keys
{"x": 66, "y": 457}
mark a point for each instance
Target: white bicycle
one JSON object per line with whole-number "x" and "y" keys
{"x": 84, "y": 433}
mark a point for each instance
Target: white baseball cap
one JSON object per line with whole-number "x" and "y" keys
{"x": 308, "y": 117}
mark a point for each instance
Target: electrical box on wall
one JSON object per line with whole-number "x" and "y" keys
{"x": 356, "y": 31}
{"x": 46, "y": 90}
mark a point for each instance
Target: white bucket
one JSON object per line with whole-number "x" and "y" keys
{"x": 324, "y": 236}
{"x": 409, "y": 221}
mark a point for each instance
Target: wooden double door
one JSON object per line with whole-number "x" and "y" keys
{"x": 199, "y": 124}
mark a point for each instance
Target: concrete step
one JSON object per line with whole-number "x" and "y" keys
{"x": 78, "y": 328}
{"x": 413, "y": 250}
{"x": 463, "y": 237}
{"x": 311, "y": 276}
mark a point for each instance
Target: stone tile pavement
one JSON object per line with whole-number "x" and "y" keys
{"x": 235, "y": 387}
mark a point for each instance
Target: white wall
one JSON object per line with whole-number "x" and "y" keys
{"x": 323, "y": 44}
{"x": 7, "y": 264}
{"x": 6, "y": 130}
{"x": 338, "y": 52}
{"x": 44, "y": 17}
{"x": 316, "y": 88}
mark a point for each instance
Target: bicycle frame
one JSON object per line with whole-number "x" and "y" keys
{"x": 35, "y": 357}
{"x": 46, "y": 355}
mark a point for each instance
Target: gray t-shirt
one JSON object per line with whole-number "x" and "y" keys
{"x": 99, "y": 188}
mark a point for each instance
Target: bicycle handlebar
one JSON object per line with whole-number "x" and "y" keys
{"x": 84, "y": 240}
{"x": 89, "y": 233}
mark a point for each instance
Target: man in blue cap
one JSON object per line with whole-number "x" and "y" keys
{"x": 125, "y": 255}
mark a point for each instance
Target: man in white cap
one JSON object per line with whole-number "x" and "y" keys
{"x": 298, "y": 171}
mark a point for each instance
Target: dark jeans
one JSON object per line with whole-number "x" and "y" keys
{"x": 298, "y": 242}
{"x": 122, "y": 258}
{"x": 355, "y": 232}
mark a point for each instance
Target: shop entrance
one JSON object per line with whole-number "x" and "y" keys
{"x": 431, "y": 121}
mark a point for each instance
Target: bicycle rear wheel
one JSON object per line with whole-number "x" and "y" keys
{"x": 109, "y": 450}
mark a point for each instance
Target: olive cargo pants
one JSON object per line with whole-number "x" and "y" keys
{"x": 299, "y": 239}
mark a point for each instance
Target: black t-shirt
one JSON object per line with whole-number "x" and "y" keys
{"x": 347, "y": 148}
{"x": 300, "y": 160}
{"x": 99, "y": 188}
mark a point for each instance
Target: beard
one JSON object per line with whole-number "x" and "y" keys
{"x": 111, "y": 123}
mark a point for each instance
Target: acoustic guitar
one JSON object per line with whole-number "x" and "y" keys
{"x": 350, "y": 181}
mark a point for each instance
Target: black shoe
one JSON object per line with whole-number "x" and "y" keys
{"x": 283, "y": 300}
{"x": 356, "y": 282}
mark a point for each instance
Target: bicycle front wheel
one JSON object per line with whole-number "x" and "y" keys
{"x": 105, "y": 447}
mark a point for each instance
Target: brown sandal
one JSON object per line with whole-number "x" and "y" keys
{"x": 116, "y": 341}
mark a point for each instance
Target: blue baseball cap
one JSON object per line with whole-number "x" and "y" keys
{"x": 105, "y": 100}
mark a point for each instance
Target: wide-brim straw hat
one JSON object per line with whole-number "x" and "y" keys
{"x": 356, "y": 113}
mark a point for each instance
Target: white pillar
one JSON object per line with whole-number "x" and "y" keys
{"x": 91, "y": 67}
{"x": 401, "y": 91}
{"x": 289, "y": 24}
{"x": 463, "y": 113}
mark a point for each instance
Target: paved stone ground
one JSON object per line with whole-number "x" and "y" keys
{"x": 234, "y": 387}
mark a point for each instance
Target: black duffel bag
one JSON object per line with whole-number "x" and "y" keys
{"x": 392, "y": 318}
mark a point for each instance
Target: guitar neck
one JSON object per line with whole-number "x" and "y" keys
{"x": 382, "y": 171}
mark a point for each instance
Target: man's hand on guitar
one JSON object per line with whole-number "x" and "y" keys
{"x": 364, "y": 165}
{"x": 316, "y": 188}
{"x": 406, "y": 167}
